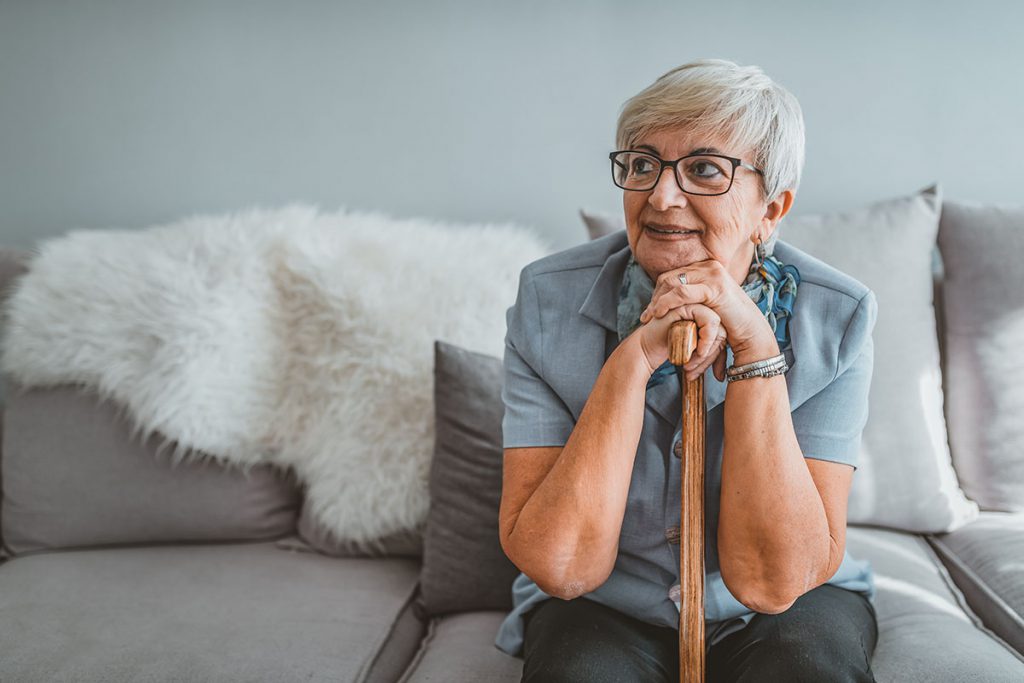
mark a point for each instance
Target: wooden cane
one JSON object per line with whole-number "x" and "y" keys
{"x": 682, "y": 342}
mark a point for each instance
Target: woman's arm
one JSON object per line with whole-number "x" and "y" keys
{"x": 773, "y": 533}
{"x": 565, "y": 535}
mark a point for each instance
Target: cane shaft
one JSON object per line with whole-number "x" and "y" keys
{"x": 682, "y": 341}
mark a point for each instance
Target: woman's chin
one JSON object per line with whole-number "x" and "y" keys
{"x": 660, "y": 257}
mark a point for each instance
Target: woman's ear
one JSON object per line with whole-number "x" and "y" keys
{"x": 776, "y": 209}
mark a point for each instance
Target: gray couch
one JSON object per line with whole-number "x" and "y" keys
{"x": 118, "y": 566}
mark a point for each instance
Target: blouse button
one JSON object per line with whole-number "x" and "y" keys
{"x": 672, "y": 535}
{"x": 677, "y": 449}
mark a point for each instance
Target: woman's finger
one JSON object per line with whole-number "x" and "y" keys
{"x": 720, "y": 365}
{"x": 709, "y": 332}
{"x": 669, "y": 299}
{"x": 708, "y": 337}
{"x": 708, "y": 325}
{"x": 705, "y": 360}
{"x": 669, "y": 280}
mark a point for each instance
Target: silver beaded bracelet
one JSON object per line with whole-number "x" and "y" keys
{"x": 768, "y": 367}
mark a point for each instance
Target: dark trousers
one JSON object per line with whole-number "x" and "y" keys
{"x": 828, "y": 634}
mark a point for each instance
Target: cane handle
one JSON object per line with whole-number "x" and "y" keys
{"x": 682, "y": 340}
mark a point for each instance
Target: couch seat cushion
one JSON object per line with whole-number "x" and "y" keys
{"x": 210, "y": 612}
{"x": 924, "y": 632}
{"x": 460, "y": 647}
{"x": 986, "y": 558}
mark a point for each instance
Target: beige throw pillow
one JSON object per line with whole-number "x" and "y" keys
{"x": 905, "y": 479}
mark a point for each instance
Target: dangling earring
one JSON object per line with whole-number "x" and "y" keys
{"x": 758, "y": 253}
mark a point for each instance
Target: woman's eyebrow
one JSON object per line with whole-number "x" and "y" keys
{"x": 698, "y": 150}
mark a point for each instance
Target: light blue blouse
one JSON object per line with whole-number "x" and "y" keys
{"x": 561, "y": 330}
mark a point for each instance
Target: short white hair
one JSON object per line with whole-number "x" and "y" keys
{"x": 719, "y": 98}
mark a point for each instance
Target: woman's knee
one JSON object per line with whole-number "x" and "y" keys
{"x": 828, "y": 635}
{"x": 581, "y": 640}
{"x": 792, "y": 657}
{"x": 575, "y": 666}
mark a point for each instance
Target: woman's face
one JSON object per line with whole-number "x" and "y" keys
{"x": 725, "y": 224}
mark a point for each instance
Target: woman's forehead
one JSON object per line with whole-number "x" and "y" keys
{"x": 677, "y": 142}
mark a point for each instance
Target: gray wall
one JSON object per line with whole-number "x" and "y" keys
{"x": 125, "y": 113}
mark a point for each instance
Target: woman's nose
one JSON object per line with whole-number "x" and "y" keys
{"x": 667, "y": 193}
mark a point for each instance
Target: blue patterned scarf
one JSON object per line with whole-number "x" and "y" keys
{"x": 772, "y": 287}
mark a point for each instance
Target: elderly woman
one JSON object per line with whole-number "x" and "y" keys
{"x": 709, "y": 161}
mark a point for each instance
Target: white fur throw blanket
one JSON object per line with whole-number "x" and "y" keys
{"x": 289, "y": 337}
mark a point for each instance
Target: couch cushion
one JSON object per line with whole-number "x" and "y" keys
{"x": 73, "y": 475}
{"x": 224, "y": 612}
{"x": 601, "y": 223}
{"x": 460, "y": 648}
{"x": 984, "y": 323}
{"x": 906, "y": 478}
{"x": 986, "y": 558}
{"x": 464, "y": 566}
{"x": 924, "y": 632}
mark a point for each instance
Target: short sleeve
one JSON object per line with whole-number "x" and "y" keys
{"x": 829, "y": 425}
{"x": 534, "y": 413}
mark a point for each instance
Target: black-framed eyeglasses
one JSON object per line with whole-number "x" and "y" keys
{"x": 702, "y": 174}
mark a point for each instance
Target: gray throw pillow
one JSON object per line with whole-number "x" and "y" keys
{"x": 981, "y": 246}
{"x": 600, "y": 223}
{"x": 464, "y": 567}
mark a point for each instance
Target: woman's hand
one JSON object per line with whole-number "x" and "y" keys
{"x": 711, "y": 339}
{"x": 724, "y": 314}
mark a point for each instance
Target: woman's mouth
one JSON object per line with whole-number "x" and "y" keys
{"x": 667, "y": 231}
